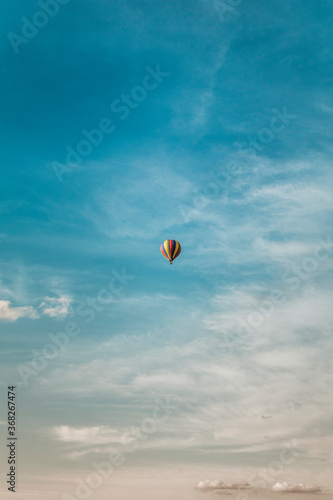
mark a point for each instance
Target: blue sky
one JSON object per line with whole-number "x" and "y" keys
{"x": 245, "y": 98}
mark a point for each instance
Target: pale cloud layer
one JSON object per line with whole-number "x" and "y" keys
{"x": 218, "y": 408}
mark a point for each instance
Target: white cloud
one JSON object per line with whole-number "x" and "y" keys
{"x": 56, "y": 306}
{"x": 304, "y": 198}
{"x": 87, "y": 435}
{"x": 220, "y": 485}
{"x": 9, "y": 313}
{"x": 281, "y": 251}
{"x": 298, "y": 488}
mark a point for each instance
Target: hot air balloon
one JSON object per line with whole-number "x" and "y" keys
{"x": 170, "y": 249}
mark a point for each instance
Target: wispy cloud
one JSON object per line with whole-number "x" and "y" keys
{"x": 56, "y": 306}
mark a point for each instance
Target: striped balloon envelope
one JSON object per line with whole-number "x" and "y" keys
{"x": 170, "y": 249}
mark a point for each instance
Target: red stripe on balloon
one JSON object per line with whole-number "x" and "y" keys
{"x": 171, "y": 248}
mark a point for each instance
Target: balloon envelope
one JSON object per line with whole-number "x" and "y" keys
{"x": 170, "y": 249}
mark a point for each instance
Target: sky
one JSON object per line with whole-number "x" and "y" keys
{"x": 126, "y": 123}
